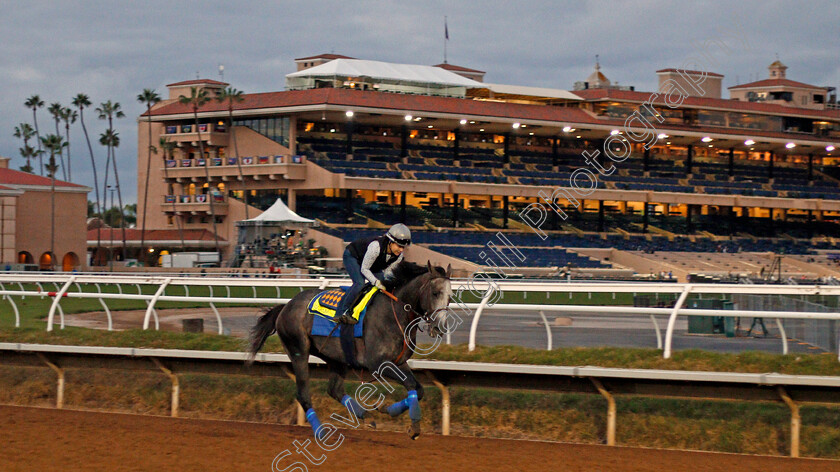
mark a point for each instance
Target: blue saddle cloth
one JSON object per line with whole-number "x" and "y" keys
{"x": 322, "y": 325}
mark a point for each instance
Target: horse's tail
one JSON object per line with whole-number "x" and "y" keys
{"x": 265, "y": 327}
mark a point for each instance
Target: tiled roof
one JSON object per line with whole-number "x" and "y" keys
{"x": 197, "y": 82}
{"x": 468, "y": 107}
{"x": 324, "y": 56}
{"x": 458, "y": 68}
{"x": 692, "y": 72}
{"x": 395, "y": 101}
{"x": 703, "y": 102}
{"x": 15, "y": 177}
{"x": 152, "y": 235}
{"x": 776, "y": 83}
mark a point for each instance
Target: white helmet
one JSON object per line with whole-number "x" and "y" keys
{"x": 400, "y": 234}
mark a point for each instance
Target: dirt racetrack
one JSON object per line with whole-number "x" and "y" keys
{"x": 37, "y": 439}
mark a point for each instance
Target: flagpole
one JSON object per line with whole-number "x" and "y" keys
{"x": 445, "y": 38}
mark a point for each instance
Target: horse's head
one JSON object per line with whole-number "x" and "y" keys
{"x": 435, "y": 302}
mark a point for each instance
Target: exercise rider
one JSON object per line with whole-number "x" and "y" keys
{"x": 371, "y": 260}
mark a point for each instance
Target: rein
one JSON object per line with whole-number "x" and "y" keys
{"x": 412, "y": 316}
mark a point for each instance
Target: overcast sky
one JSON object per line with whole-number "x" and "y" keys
{"x": 113, "y": 50}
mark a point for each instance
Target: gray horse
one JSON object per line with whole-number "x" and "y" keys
{"x": 390, "y": 327}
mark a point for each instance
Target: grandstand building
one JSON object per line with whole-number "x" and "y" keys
{"x": 356, "y": 143}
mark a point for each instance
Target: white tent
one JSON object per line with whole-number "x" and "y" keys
{"x": 277, "y": 213}
{"x": 383, "y": 77}
{"x": 256, "y": 232}
{"x": 386, "y": 71}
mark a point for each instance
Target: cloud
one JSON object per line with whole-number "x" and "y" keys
{"x": 58, "y": 49}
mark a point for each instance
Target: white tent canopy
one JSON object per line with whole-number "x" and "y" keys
{"x": 386, "y": 71}
{"x": 276, "y": 214}
{"x": 531, "y": 91}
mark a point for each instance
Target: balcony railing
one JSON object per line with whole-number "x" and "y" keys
{"x": 195, "y": 204}
{"x": 226, "y": 168}
{"x": 212, "y": 134}
{"x": 232, "y": 161}
{"x": 190, "y": 129}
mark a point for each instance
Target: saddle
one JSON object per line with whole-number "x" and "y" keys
{"x": 323, "y": 308}
{"x": 326, "y": 303}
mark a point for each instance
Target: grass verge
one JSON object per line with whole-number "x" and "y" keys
{"x": 748, "y": 362}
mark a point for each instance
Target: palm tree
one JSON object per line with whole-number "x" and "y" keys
{"x": 24, "y": 131}
{"x": 54, "y": 143}
{"x": 108, "y": 111}
{"x": 81, "y": 101}
{"x": 111, "y": 139}
{"x": 198, "y": 98}
{"x": 69, "y": 117}
{"x": 150, "y": 98}
{"x": 56, "y": 110}
{"x": 34, "y": 102}
{"x": 231, "y": 95}
{"x": 167, "y": 147}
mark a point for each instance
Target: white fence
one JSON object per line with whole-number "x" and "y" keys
{"x": 220, "y": 292}
{"x": 607, "y": 382}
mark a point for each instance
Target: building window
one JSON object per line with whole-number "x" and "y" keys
{"x": 274, "y": 128}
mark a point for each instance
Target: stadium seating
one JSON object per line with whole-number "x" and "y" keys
{"x": 484, "y": 164}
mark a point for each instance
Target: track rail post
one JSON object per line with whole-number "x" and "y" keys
{"x": 476, "y": 318}
{"x": 611, "y": 413}
{"x": 658, "y": 332}
{"x": 14, "y": 306}
{"x": 672, "y": 320}
{"x": 444, "y": 404}
{"x": 783, "y": 335}
{"x": 107, "y": 310}
{"x": 176, "y": 388}
{"x": 301, "y": 416}
{"x": 154, "y": 300}
{"x": 218, "y": 317}
{"x": 795, "y": 421}
{"x": 56, "y": 301}
{"x": 59, "y": 396}
{"x": 547, "y": 330}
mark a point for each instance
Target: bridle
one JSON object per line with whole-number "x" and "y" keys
{"x": 413, "y": 314}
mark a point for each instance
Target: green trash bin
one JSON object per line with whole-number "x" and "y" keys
{"x": 729, "y": 321}
{"x": 703, "y": 324}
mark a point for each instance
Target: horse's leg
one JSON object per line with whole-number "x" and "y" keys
{"x": 335, "y": 388}
{"x": 300, "y": 365}
{"x": 411, "y": 402}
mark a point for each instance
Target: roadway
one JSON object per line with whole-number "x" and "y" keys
{"x": 512, "y": 328}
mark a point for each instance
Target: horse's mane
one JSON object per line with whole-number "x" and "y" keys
{"x": 406, "y": 271}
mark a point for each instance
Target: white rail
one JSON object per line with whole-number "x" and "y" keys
{"x": 159, "y": 285}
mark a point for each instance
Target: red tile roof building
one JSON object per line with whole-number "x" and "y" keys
{"x": 273, "y": 129}
{"x": 31, "y": 235}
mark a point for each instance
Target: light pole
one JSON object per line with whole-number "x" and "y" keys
{"x": 111, "y": 246}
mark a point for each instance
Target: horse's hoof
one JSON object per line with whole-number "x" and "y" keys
{"x": 414, "y": 431}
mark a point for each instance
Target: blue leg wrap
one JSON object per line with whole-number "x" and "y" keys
{"x": 353, "y": 405}
{"x": 410, "y": 403}
{"x": 398, "y": 408}
{"x": 313, "y": 420}
{"x": 413, "y": 406}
